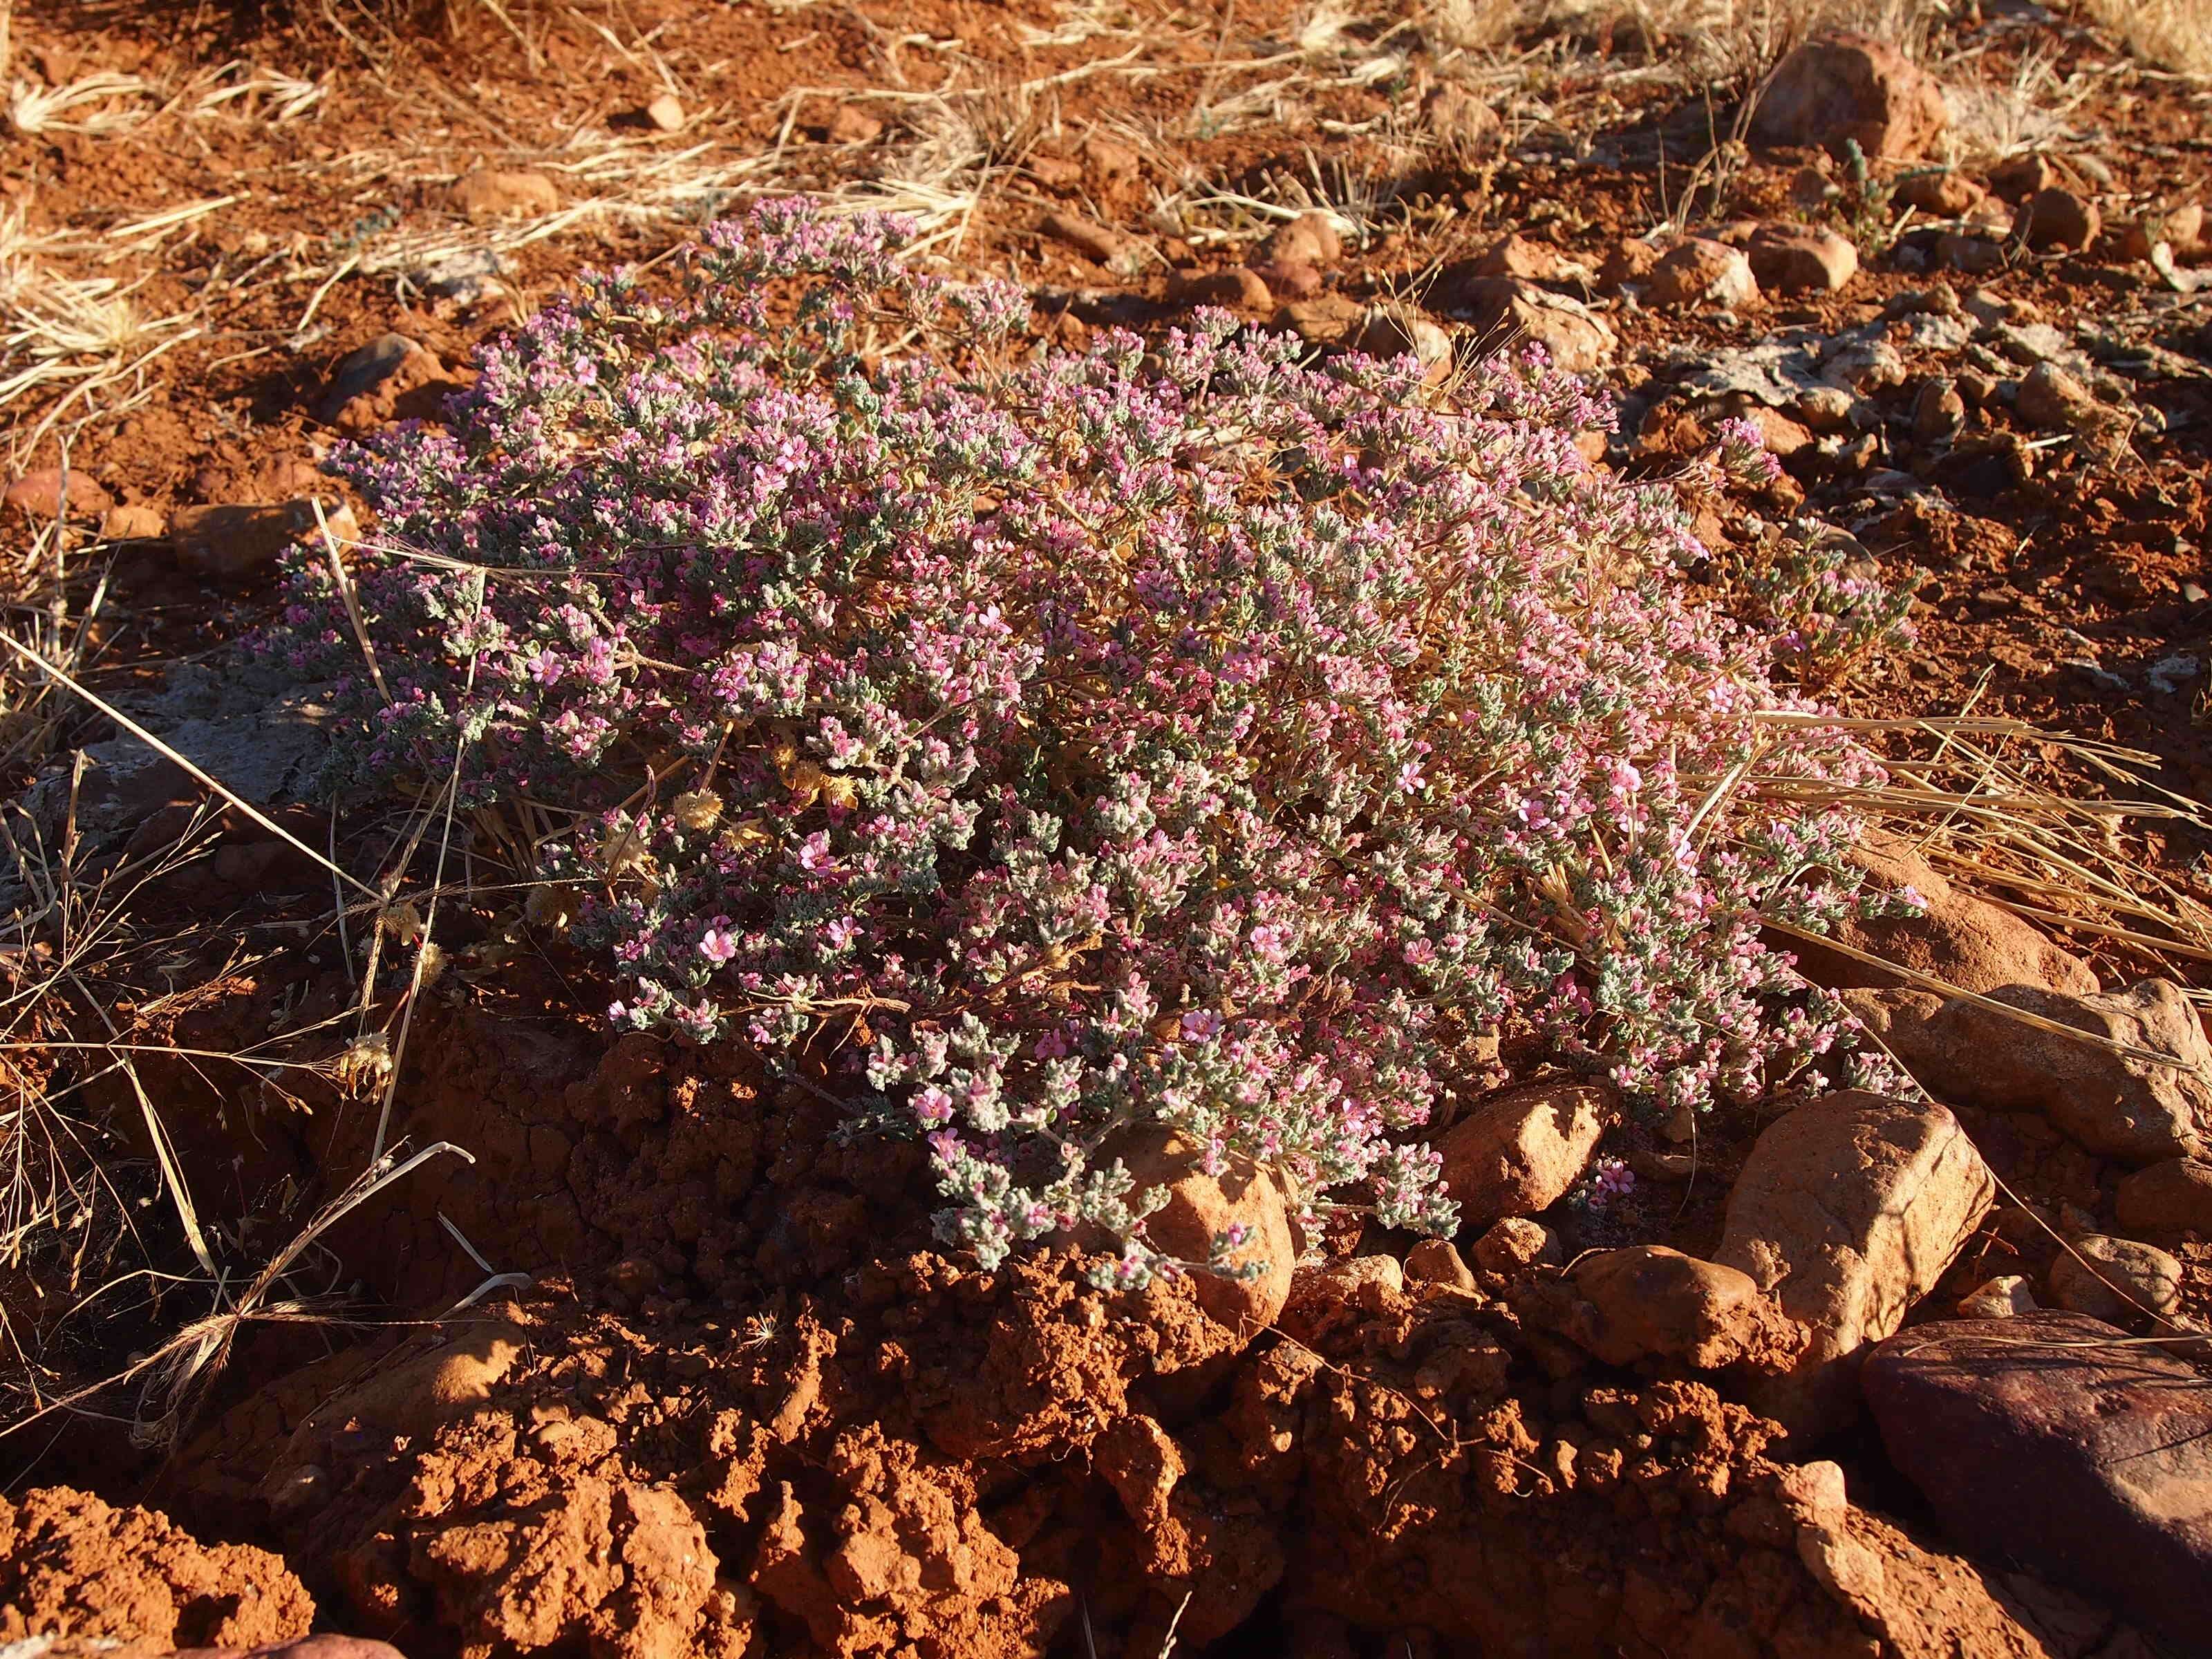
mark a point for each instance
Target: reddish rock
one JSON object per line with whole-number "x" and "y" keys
{"x": 1238, "y": 287}
{"x": 229, "y": 544}
{"x": 2003, "y": 1297}
{"x": 40, "y": 494}
{"x": 1289, "y": 281}
{"x": 852, "y": 124}
{"x": 1801, "y": 261}
{"x": 1327, "y": 319}
{"x": 1437, "y": 1261}
{"x": 1093, "y": 241}
{"x": 1702, "y": 272}
{"x": 2058, "y": 220}
{"x": 2019, "y": 177}
{"x": 2112, "y": 1096}
{"x": 1965, "y": 941}
{"x": 2167, "y": 1198}
{"x": 1649, "y": 1302}
{"x": 1309, "y": 240}
{"x": 1516, "y": 1244}
{"x": 1852, "y": 87}
{"x": 1848, "y": 1211}
{"x": 1515, "y": 255}
{"x": 1505, "y": 312}
{"x": 2115, "y": 1279}
{"x": 1938, "y": 195}
{"x": 1519, "y": 1152}
{"x": 2052, "y": 1441}
{"x": 1939, "y": 413}
{"x": 2055, "y": 401}
{"x": 2181, "y": 228}
{"x": 1395, "y": 331}
{"x": 1977, "y": 256}
{"x": 1200, "y": 1207}
{"x": 489, "y": 194}
{"x": 1782, "y": 436}
{"x": 134, "y": 524}
{"x": 1628, "y": 262}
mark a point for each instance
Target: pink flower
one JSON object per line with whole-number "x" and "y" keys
{"x": 814, "y": 852}
{"x": 717, "y": 946}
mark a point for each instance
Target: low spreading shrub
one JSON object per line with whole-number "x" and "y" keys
{"x": 1027, "y": 747}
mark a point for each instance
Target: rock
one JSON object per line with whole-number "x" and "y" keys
{"x": 1782, "y": 436}
{"x": 1939, "y": 413}
{"x": 1843, "y": 87}
{"x": 1292, "y": 282}
{"x": 229, "y": 544}
{"x": 1111, "y": 161}
{"x": 2116, "y": 1280}
{"x": 1516, "y": 1244}
{"x": 1824, "y": 408}
{"x": 2019, "y": 177}
{"x": 1628, "y": 262}
{"x": 2001, "y": 1298}
{"x": 1505, "y": 312}
{"x": 1650, "y": 1301}
{"x": 41, "y": 494}
{"x": 1847, "y": 1212}
{"x": 2055, "y": 401}
{"x": 1701, "y": 272}
{"x": 1368, "y": 1281}
{"x": 1093, "y": 241}
{"x": 1199, "y": 1208}
{"x": 366, "y": 369}
{"x": 2057, "y": 219}
{"x": 464, "y": 275}
{"x": 1396, "y": 330}
{"x": 1515, "y": 255}
{"x": 1977, "y": 256}
{"x": 1943, "y": 195}
{"x": 2129, "y": 1106}
{"x": 665, "y": 114}
{"x": 1965, "y": 941}
{"x": 2053, "y": 1442}
{"x": 1435, "y": 1262}
{"x": 2169, "y": 1198}
{"x": 134, "y": 524}
{"x": 853, "y": 125}
{"x": 1309, "y": 240}
{"x": 1239, "y": 287}
{"x": 1518, "y": 1153}
{"x": 1327, "y": 320}
{"x": 1462, "y": 120}
{"x": 487, "y": 193}
{"x": 1801, "y": 261}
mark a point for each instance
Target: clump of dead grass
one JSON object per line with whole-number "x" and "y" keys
{"x": 2172, "y": 34}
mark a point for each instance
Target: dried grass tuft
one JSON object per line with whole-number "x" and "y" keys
{"x": 2172, "y": 34}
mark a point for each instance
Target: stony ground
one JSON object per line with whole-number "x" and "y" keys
{"x": 1874, "y": 1376}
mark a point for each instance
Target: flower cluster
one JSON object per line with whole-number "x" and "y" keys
{"x": 1827, "y": 604}
{"x": 1033, "y": 749}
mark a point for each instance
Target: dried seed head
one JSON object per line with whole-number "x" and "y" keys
{"x": 698, "y": 810}
{"x": 548, "y": 907}
{"x": 364, "y": 1064}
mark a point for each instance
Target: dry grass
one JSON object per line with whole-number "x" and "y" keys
{"x": 2172, "y": 34}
